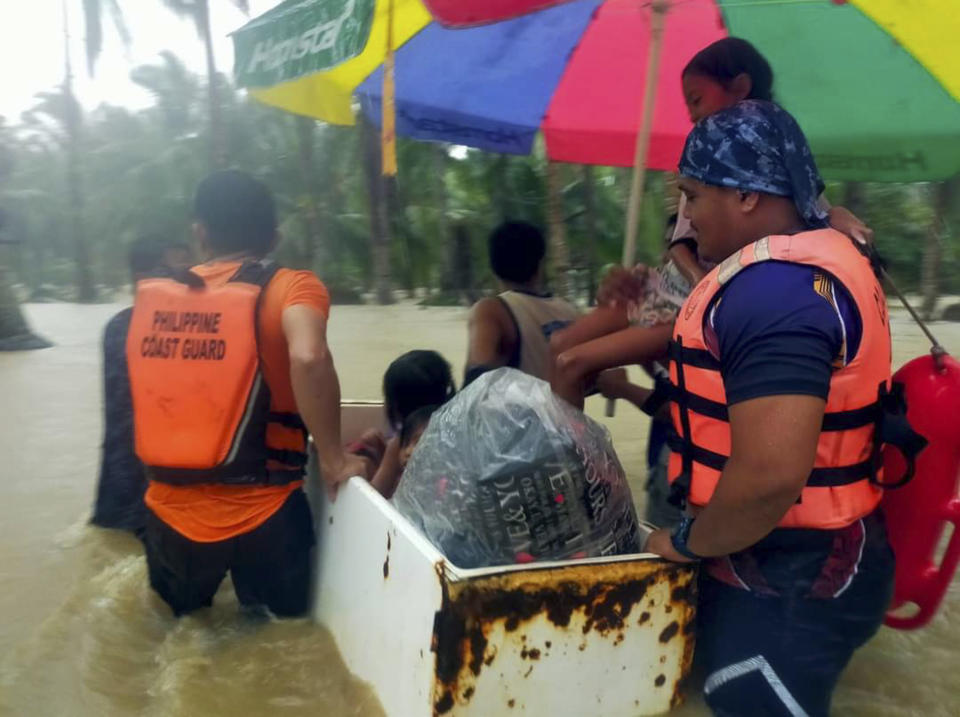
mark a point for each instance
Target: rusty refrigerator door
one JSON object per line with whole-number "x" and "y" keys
{"x": 600, "y": 636}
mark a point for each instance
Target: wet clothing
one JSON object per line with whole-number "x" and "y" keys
{"x": 791, "y": 342}
{"x": 780, "y": 620}
{"x": 843, "y": 485}
{"x": 778, "y": 647}
{"x": 756, "y": 146}
{"x": 536, "y": 317}
{"x": 120, "y": 489}
{"x": 269, "y": 565}
{"x": 214, "y": 512}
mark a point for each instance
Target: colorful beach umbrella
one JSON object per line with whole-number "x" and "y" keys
{"x": 874, "y": 83}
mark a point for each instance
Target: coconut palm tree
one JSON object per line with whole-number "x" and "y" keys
{"x": 14, "y": 331}
{"x": 199, "y": 12}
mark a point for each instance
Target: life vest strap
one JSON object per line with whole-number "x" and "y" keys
{"x": 287, "y": 420}
{"x": 288, "y": 458}
{"x": 255, "y": 474}
{"x": 895, "y": 430}
{"x": 819, "y": 477}
{"x": 832, "y": 422}
{"x": 260, "y": 273}
{"x": 695, "y": 358}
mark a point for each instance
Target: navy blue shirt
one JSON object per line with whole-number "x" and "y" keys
{"x": 119, "y": 501}
{"x": 780, "y": 328}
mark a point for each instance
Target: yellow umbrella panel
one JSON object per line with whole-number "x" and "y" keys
{"x": 308, "y": 56}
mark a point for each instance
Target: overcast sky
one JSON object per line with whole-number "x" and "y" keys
{"x": 32, "y": 49}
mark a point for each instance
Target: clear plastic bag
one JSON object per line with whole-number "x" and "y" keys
{"x": 506, "y": 472}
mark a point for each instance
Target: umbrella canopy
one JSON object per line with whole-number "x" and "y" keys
{"x": 874, "y": 83}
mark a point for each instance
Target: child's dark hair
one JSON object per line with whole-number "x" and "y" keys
{"x": 416, "y": 421}
{"x": 416, "y": 379}
{"x": 730, "y": 57}
{"x": 516, "y": 251}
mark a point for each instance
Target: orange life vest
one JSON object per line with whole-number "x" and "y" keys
{"x": 845, "y": 482}
{"x": 200, "y": 404}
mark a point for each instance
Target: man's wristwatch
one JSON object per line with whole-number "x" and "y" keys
{"x": 679, "y": 536}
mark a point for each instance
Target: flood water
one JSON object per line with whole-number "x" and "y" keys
{"x": 82, "y": 634}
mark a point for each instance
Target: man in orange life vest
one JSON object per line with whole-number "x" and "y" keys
{"x": 229, "y": 370}
{"x": 120, "y": 489}
{"x": 779, "y": 361}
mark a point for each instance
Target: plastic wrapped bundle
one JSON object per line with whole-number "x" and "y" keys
{"x": 506, "y": 472}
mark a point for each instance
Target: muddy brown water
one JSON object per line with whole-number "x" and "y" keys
{"x": 82, "y": 634}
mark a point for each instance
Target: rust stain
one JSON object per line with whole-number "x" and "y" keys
{"x": 527, "y": 673}
{"x": 689, "y": 644}
{"x": 444, "y": 704}
{"x": 603, "y": 596}
{"x": 511, "y": 703}
{"x": 670, "y": 631}
{"x": 685, "y": 593}
{"x": 478, "y": 645}
{"x": 660, "y": 680}
{"x": 548, "y": 644}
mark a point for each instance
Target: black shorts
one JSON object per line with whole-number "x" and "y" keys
{"x": 782, "y": 655}
{"x": 270, "y": 565}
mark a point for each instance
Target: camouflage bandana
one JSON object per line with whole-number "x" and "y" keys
{"x": 756, "y": 146}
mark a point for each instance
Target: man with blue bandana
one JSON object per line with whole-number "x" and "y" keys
{"x": 779, "y": 363}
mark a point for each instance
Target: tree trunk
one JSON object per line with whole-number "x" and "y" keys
{"x": 463, "y": 262}
{"x": 439, "y": 190}
{"x": 74, "y": 119}
{"x": 218, "y": 154}
{"x": 501, "y": 187}
{"x": 311, "y": 213}
{"x": 84, "y": 278}
{"x": 590, "y": 224}
{"x": 12, "y": 322}
{"x": 933, "y": 250}
{"x": 15, "y": 335}
{"x": 559, "y": 254}
{"x": 379, "y": 192}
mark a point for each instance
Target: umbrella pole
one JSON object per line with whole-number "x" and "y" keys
{"x": 658, "y": 12}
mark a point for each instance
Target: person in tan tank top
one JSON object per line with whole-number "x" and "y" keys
{"x": 514, "y": 328}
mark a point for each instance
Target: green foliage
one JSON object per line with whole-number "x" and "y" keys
{"x": 139, "y": 170}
